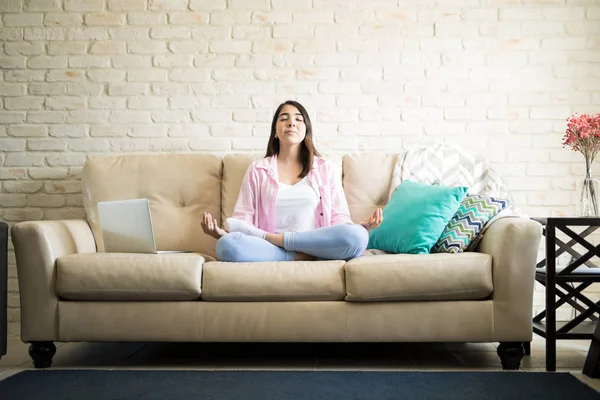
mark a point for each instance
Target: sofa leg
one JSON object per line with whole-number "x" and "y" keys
{"x": 527, "y": 346}
{"x": 41, "y": 353}
{"x": 511, "y": 354}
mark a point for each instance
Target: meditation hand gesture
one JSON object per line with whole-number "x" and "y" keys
{"x": 210, "y": 227}
{"x": 374, "y": 220}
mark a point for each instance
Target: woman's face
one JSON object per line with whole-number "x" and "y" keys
{"x": 290, "y": 128}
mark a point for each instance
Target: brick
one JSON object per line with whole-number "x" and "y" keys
{"x": 104, "y": 19}
{"x": 41, "y": 5}
{"x": 170, "y": 89}
{"x": 63, "y": 19}
{"x": 108, "y": 47}
{"x": 147, "y": 103}
{"x": 13, "y": 200}
{"x": 23, "y": 19}
{"x": 131, "y": 61}
{"x": 126, "y": 5}
{"x": 211, "y": 115}
{"x": 564, "y": 43}
{"x": 65, "y": 76}
{"x": 66, "y": 103}
{"x": 45, "y": 200}
{"x": 7, "y": 34}
{"x": 148, "y": 131}
{"x": 13, "y": 173}
{"x": 45, "y": 62}
{"x": 27, "y": 130}
{"x": 87, "y": 34}
{"x": 12, "y": 89}
{"x": 149, "y": 19}
{"x": 89, "y": 61}
{"x": 87, "y": 117}
{"x": 97, "y": 145}
{"x": 147, "y": 47}
{"x": 170, "y": 116}
{"x": 23, "y": 160}
{"x": 188, "y": 18}
{"x": 44, "y": 33}
{"x": 12, "y": 145}
{"x": 45, "y": 117}
{"x": 550, "y": 112}
{"x": 47, "y": 173}
{"x": 105, "y": 102}
{"x": 62, "y": 187}
{"x": 210, "y": 144}
{"x": 84, "y": 5}
{"x": 147, "y": 75}
{"x": 189, "y": 75}
{"x": 70, "y": 47}
{"x": 67, "y": 131}
{"x": 130, "y": 145}
{"x": 127, "y": 89}
{"x": 108, "y": 131}
{"x": 546, "y": 169}
{"x": 564, "y": 13}
{"x": 84, "y": 89}
{"x": 11, "y": 117}
{"x": 66, "y": 160}
{"x": 188, "y": 130}
{"x": 124, "y": 117}
{"x": 173, "y": 61}
{"x": 129, "y": 33}
{"x": 305, "y": 46}
{"x": 24, "y": 76}
{"x": 11, "y": 5}
{"x": 46, "y": 145}
{"x": 12, "y": 62}
{"x": 465, "y": 113}
{"x": 170, "y": 33}
{"x": 106, "y": 76}
{"x": 23, "y": 103}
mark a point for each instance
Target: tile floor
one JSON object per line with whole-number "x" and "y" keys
{"x": 201, "y": 356}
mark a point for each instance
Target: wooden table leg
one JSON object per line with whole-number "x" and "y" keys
{"x": 592, "y": 361}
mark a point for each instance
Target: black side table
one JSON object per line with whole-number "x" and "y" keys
{"x": 560, "y": 282}
{"x": 3, "y": 285}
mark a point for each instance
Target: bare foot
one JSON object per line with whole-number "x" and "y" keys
{"x": 211, "y": 228}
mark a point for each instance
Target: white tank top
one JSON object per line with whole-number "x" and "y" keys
{"x": 295, "y": 207}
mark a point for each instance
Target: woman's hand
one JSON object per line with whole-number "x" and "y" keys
{"x": 374, "y": 220}
{"x": 210, "y": 226}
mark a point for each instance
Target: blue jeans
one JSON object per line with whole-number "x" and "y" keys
{"x": 338, "y": 242}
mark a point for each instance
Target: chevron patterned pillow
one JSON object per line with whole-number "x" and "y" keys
{"x": 472, "y": 215}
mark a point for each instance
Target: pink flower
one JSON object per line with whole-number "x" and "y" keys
{"x": 583, "y": 134}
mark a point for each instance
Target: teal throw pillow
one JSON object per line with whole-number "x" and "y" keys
{"x": 415, "y": 217}
{"x": 470, "y": 218}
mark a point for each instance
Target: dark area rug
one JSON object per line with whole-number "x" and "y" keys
{"x": 292, "y": 385}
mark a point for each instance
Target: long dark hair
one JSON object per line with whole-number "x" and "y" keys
{"x": 307, "y": 148}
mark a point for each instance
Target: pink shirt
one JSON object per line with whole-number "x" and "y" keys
{"x": 256, "y": 202}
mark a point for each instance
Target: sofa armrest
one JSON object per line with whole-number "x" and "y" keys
{"x": 513, "y": 244}
{"x": 37, "y": 246}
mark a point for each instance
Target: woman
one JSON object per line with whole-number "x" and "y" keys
{"x": 291, "y": 205}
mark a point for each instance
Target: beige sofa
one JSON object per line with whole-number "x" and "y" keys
{"x": 72, "y": 291}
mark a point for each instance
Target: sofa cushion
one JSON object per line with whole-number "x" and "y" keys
{"x": 134, "y": 277}
{"x": 366, "y": 180}
{"x": 419, "y": 277}
{"x": 274, "y": 281}
{"x": 180, "y": 187}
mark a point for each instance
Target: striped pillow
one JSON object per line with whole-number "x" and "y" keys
{"x": 472, "y": 215}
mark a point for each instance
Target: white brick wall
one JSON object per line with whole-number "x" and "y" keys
{"x": 82, "y": 77}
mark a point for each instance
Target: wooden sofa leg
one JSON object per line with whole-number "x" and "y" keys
{"x": 41, "y": 353}
{"x": 511, "y": 354}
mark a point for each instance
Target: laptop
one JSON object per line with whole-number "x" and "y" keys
{"x": 127, "y": 227}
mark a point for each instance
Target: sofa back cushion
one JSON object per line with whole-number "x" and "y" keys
{"x": 367, "y": 178}
{"x": 180, "y": 187}
{"x": 234, "y": 168}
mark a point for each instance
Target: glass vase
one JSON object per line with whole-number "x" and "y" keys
{"x": 588, "y": 197}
